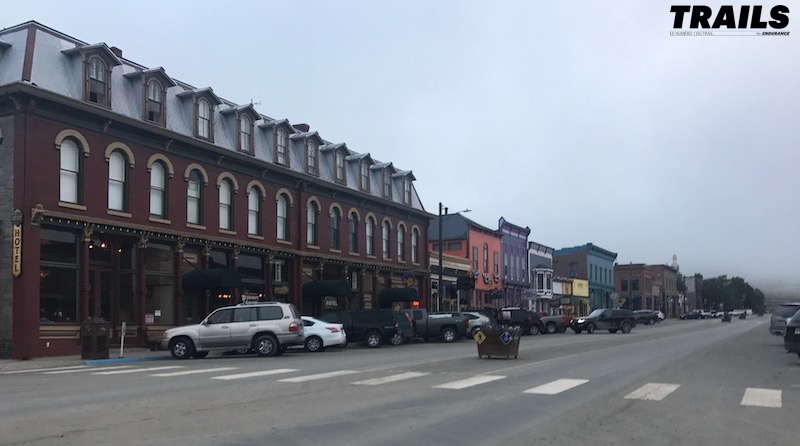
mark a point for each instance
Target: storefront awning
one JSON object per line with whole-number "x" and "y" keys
{"x": 211, "y": 278}
{"x": 399, "y": 295}
{"x": 323, "y": 288}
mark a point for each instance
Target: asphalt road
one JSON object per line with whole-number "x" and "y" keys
{"x": 676, "y": 383}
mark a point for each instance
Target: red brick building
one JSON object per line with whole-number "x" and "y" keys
{"x": 133, "y": 197}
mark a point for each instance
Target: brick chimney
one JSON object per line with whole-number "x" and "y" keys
{"x": 117, "y": 52}
{"x": 301, "y": 127}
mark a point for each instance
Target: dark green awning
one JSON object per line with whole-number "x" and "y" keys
{"x": 322, "y": 288}
{"x": 399, "y": 295}
{"x": 212, "y": 278}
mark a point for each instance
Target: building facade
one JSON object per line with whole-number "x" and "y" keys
{"x": 592, "y": 263}
{"x": 514, "y": 249}
{"x": 134, "y": 197}
{"x": 540, "y": 297}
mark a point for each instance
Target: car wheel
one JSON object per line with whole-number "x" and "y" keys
{"x": 612, "y": 331}
{"x": 397, "y": 339}
{"x": 534, "y": 330}
{"x": 181, "y": 348}
{"x": 550, "y": 328}
{"x": 199, "y": 355}
{"x": 626, "y": 327}
{"x": 449, "y": 334}
{"x": 373, "y": 339}
{"x": 590, "y": 328}
{"x": 314, "y": 344}
{"x": 267, "y": 345}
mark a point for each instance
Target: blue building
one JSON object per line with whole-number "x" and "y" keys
{"x": 592, "y": 263}
{"x": 514, "y": 249}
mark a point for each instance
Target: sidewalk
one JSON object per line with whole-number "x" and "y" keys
{"x": 129, "y": 355}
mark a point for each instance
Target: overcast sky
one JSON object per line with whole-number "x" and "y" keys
{"x": 583, "y": 120}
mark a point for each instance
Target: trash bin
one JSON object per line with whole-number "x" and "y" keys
{"x": 94, "y": 339}
{"x": 498, "y": 340}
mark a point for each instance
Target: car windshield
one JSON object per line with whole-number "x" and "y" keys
{"x": 596, "y": 313}
{"x": 786, "y": 310}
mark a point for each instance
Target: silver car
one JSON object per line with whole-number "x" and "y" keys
{"x": 267, "y": 328}
{"x": 475, "y": 322}
{"x": 777, "y": 324}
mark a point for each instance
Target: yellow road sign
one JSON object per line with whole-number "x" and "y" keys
{"x": 479, "y": 337}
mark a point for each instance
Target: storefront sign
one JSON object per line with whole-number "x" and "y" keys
{"x": 149, "y": 318}
{"x": 280, "y": 290}
{"x": 331, "y": 303}
{"x": 16, "y": 255}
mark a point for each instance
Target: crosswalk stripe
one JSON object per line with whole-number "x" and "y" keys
{"x": 557, "y": 386}
{"x": 469, "y": 382}
{"x": 90, "y": 369}
{"x": 149, "y": 369}
{"x": 45, "y": 370}
{"x": 194, "y": 372}
{"x": 652, "y": 391}
{"x": 253, "y": 374}
{"x": 754, "y": 396}
{"x": 299, "y": 379}
{"x": 390, "y": 379}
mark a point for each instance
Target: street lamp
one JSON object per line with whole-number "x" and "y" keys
{"x": 440, "y": 288}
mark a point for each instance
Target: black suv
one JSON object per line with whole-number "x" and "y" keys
{"x": 373, "y": 327}
{"x": 528, "y": 321}
{"x": 646, "y": 317}
{"x": 605, "y": 319}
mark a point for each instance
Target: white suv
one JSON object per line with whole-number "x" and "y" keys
{"x": 268, "y": 328}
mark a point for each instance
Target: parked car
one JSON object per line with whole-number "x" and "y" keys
{"x": 777, "y": 323}
{"x": 660, "y": 315}
{"x": 646, "y": 317}
{"x": 476, "y": 321}
{"x": 554, "y": 324}
{"x": 695, "y": 314}
{"x": 405, "y": 328}
{"x": 791, "y": 339}
{"x": 489, "y": 312}
{"x": 320, "y": 335}
{"x": 372, "y": 327}
{"x": 605, "y": 319}
{"x": 445, "y": 326}
{"x": 528, "y": 321}
{"x": 268, "y": 328}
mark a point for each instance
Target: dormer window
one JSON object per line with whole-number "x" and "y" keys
{"x": 204, "y": 101}
{"x": 154, "y": 110}
{"x": 245, "y": 133}
{"x": 340, "y": 172}
{"x": 312, "y": 157}
{"x": 364, "y": 177}
{"x": 387, "y": 183}
{"x": 98, "y": 82}
{"x": 407, "y": 190}
{"x": 203, "y": 119}
{"x": 280, "y": 148}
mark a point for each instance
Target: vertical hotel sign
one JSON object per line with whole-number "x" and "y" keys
{"x": 16, "y": 244}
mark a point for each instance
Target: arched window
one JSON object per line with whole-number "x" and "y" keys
{"x": 311, "y": 217}
{"x": 98, "y": 88}
{"x": 336, "y": 217}
{"x": 415, "y": 246}
{"x": 204, "y": 119}
{"x": 155, "y": 102}
{"x": 71, "y": 172}
{"x": 226, "y": 205}
{"x": 485, "y": 258}
{"x": 387, "y": 233}
{"x": 117, "y": 181}
{"x": 245, "y": 134}
{"x": 158, "y": 190}
{"x": 254, "y": 211}
{"x": 283, "y": 217}
{"x": 370, "y": 236}
{"x": 352, "y": 231}
{"x": 280, "y": 150}
{"x": 401, "y": 243}
{"x": 194, "y": 198}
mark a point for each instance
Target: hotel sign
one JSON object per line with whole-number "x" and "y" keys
{"x": 16, "y": 244}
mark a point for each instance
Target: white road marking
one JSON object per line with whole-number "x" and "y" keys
{"x": 90, "y": 369}
{"x": 253, "y": 374}
{"x": 390, "y": 379}
{"x": 754, "y": 396}
{"x": 652, "y": 391}
{"x": 469, "y": 382}
{"x": 45, "y": 370}
{"x": 299, "y": 379}
{"x": 149, "y": 369}
{"x": 557, "y": 386}
{"x": 195, "y": 372}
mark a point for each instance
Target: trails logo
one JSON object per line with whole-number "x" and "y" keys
{"x": 728, "y": 21}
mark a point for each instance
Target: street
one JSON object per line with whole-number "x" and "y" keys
{"x": 679, "y": 382}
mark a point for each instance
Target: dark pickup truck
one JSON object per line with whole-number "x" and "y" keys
{"x": 445, "y": 326}
{"x": 372, "y": 327}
